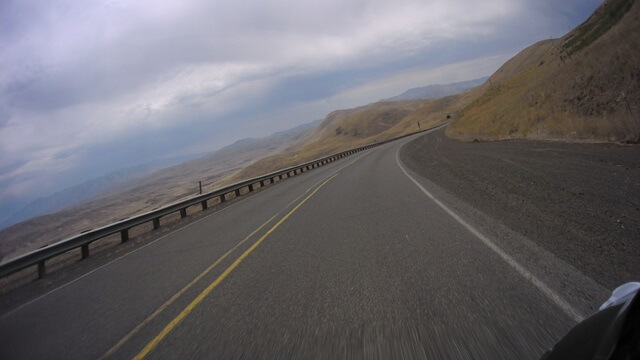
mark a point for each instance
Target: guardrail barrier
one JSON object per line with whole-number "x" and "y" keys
{"x": 40, "y": 256}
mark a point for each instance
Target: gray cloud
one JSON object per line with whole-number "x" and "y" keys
{"x": 82, "y": 79}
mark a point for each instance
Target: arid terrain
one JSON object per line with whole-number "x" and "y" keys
{"x": 153, "y": 191}
{"x": 345, "y": 129}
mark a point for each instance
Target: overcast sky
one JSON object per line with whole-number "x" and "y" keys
{"x": 87, "y": 87}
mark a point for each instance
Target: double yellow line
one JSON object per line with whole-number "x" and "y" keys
{"x": 185, "y": 312}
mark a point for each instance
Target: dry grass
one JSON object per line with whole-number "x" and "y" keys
{"x": 583, "y": 87}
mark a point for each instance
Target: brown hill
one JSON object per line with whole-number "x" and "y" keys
{"x": 344, "y": 129}
{"x": 582, "y": 87}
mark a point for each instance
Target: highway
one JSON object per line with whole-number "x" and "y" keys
{"x": 358, "y": 258}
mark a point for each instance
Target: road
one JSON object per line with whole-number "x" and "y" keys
{"x": 359, "y": 258}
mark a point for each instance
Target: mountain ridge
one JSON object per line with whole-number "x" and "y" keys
{"x": 437, "y": 90}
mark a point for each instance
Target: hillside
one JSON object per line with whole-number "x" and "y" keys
{"x": 582, "y": 87}
{"x": 344, "y": 129}
{"x": 147, "y": 192}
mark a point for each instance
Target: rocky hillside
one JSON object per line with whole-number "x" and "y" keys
{"x": 582, "y": 87}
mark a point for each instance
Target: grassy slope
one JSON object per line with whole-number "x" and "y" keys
{"x": 570, "y": 88}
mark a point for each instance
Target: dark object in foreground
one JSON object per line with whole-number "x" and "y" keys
{"x": 611, "y": 333}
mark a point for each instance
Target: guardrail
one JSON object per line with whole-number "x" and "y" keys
{"x": 83, "y": 240}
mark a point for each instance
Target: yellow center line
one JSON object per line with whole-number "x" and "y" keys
{"x": 175, "y": 297}
{"x": 167, "y": 329}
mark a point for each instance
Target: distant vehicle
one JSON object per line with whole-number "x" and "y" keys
{"x": 611, "y": 333}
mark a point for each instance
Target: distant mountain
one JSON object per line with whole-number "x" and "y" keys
{"x": 272, "y": 141}
{"x": 89, "y": 189}
{"x": 437, "y": 91}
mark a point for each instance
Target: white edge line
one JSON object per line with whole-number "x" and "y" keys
{"x": 7, "y": 314}
{"x": 557, "y": 299}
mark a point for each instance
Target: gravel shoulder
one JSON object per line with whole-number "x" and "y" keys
{"x": 581, "y": 202}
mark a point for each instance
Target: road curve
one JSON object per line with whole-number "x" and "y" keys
{"x": 359, "y": 258}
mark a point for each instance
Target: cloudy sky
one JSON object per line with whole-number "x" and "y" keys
{"x": 87, "y": 87}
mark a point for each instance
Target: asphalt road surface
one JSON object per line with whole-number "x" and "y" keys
{"x": 579, "y": 201}
{"x": 359, "y": 258}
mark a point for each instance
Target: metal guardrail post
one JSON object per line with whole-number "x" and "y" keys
{"x": 124, "y": 235}
{"x": 156, "y": 223}
{"x": 183, "y": 213}
{"x": 42, "y": 271}
{"x": 85, "y": 251}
